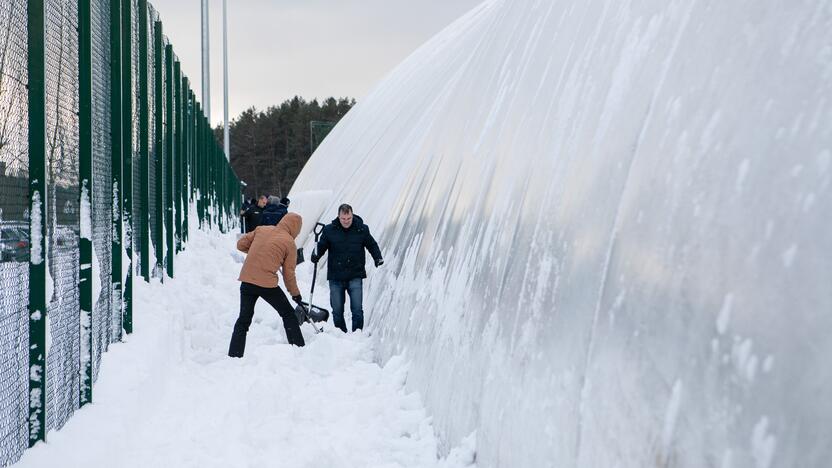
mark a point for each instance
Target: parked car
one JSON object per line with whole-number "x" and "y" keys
{"x": 66, "y": 237}
{"x": 14, "y": 242}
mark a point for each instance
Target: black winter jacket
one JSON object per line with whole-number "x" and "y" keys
{"x": 272, "y": 214}
{"x": 346, "y": 249}
{"x": 252, "y": 217}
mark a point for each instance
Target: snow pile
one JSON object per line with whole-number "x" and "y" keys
{"x": 171, "y": 396}
{"x": 599, "y": 218}
{"x": 36, "y": 229}
{"x": 86, "y": 213}
{"x": 310, "y": 206}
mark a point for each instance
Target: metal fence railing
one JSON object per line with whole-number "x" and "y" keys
{"x": 103, "y": 148}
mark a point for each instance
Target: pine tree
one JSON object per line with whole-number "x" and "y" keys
{"x": 269, "y": 148}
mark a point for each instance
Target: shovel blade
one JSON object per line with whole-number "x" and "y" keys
{"x": 315, "y": 313}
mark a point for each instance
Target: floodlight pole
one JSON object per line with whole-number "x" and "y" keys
{"x": 226, "y": 140}
{"x": 206, "y": 63}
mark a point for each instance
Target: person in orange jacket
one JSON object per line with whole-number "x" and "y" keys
{"x": 269, "y": 248}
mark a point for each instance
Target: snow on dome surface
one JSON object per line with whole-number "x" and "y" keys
{"x": 606, "y": 230}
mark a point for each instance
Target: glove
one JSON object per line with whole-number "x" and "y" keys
{"x": 314, "y": 258}
{"x": 297, "y": 299}
{"x": 379, "y": 262}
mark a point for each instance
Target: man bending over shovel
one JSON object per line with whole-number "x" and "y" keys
{"x": 268, "y": 248}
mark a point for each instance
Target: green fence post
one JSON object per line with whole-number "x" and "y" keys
{"x": 206, "y": 165}
{"x": 191, "y": 148}
{"x": 206, "y": 142}
{"x": 158, "y": 149}
{"x": 202, "y": 159}
{"x": 215, "y": 160}
{"x": 221, "y": 188}
{"x": 222, "y": 178}
{"x": 117, "y": 149}
{"x": 199, "y": 192}
{"x": 202, "y": 162}
{"x": 215, "y": 156}
{"x": 85, "y": 196}
{"x": 168, "y": 181}
{"x": 209, "y": 166}
{"x": 224, "y": 190}
{"x": 191, "y": 135}
{"x": 195, "y": 168}
{"x": 127, "y": 160}
{"x": 37, "y": 216}
{"x": 220, "y": 181}
{"x": 186, "y": 159}
{"x": 206, "y": 169}
{"x": 144, "y": 142}
{"x": 177, "y": 183}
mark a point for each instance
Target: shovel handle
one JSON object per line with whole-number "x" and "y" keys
{"x": 318, "y": 229}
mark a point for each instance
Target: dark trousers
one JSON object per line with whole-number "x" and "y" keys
{"x": 337, "y": 296}
{"x": 249, "y": 293}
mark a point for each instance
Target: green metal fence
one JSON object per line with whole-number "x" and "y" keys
{"x": 103, "y": 148}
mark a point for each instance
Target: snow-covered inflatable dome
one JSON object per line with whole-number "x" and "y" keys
{"x": 608, "y": 230}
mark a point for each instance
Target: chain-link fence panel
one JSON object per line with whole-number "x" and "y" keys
{"x": 62, "y": 133}
{"x": 167, "y": 125}
{"x": 136, "y": 163}
{"x": 152, "y": 48}
{"x": 102, "y": 200}
{"x": 14, "y": 233}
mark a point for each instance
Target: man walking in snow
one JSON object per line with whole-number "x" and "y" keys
{"x": 268, "y": 248}
{"x": 346, "y": 238}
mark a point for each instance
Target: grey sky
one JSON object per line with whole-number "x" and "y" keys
{"x": 311, "y": 48}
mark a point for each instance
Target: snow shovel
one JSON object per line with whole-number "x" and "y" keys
{"x": 310, "y": 312}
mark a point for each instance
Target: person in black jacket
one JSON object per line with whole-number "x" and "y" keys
{"x": 251, "y": 215}
{"x": 346, "y": 238}
{"x": 274, "y": 211}
{"x": 246, "y": 204}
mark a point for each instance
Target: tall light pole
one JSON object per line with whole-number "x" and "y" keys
{"x": 226, "y": 141}
{"x": 206, "y": 63}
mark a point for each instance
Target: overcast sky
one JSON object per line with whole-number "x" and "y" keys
{"x": 310, "y": 48}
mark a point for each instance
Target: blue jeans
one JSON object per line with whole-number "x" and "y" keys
{"x": 354, "y": 288}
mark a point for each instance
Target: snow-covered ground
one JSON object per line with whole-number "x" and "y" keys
{"x": 171, "y": 396}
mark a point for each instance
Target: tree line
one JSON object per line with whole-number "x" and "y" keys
{"x": 269, "y": 148}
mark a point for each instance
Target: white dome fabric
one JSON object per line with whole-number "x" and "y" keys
{"x": 607, "y": 230}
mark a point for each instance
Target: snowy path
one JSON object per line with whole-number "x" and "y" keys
{"x": 171, "y": 396}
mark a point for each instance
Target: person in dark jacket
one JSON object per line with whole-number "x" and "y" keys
{"x": 251, "y": 215}
{"x": 346, "y": 239}
{"x": 246, "y": 204}
{"x": 274, "y": 211}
